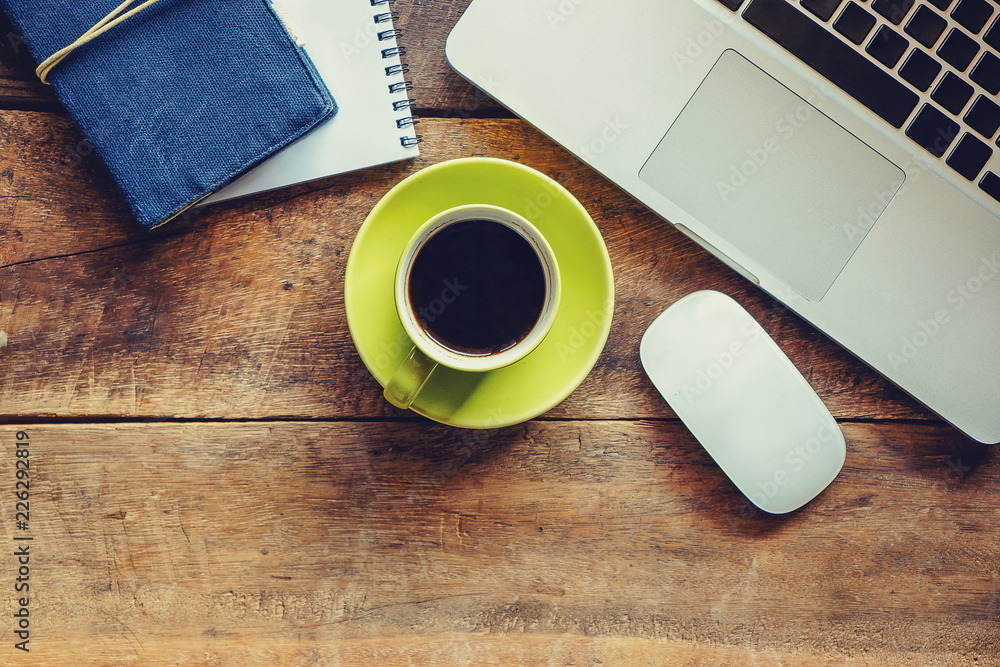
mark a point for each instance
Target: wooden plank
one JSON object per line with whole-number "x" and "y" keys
{"x": 583, "y": 543}
{"x": 239, "y": 313}
{"x": 425, "y": 27}
{"x": 57, "y": 198}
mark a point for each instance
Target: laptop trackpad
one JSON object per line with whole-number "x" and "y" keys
{"x": 770, "y": 173}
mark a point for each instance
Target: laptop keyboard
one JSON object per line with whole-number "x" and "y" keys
{"x": 926, "y": 67}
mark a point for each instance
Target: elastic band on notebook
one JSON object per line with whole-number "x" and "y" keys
{"x": 101, "y": 27}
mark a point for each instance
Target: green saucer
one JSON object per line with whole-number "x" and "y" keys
{"x": 558, "y": 365}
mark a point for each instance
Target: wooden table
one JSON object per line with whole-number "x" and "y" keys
{"x": 215, "y": 478}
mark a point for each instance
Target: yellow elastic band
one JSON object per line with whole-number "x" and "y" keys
{"x": 102, "y": 26}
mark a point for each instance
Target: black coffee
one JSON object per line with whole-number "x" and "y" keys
{"x": 477, "y": 287}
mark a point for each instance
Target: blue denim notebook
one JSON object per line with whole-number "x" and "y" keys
{"x": 181, "y": 98}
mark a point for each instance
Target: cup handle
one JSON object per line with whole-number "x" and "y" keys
{"x": 409, "y": 378}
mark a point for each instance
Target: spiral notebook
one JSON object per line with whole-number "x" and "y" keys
{"x": 352, "y": 44}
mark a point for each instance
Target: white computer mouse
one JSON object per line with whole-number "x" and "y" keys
{"x": 743, "y": 400}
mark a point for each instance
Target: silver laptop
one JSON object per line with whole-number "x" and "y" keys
{"x": 842, "y": 155}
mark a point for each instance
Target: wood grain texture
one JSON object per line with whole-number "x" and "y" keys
{"x": 248, "y": 497}
{"x": 238, "y": 313}
{"x": 545, "y": 543}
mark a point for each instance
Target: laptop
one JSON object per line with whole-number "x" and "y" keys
{"x": 840, "y": 154}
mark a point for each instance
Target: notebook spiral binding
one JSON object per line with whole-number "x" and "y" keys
{"x": 397, "y": 69}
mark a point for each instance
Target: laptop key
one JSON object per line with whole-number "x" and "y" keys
{"x": 972, "y": 14}
{"x": 932, "y": 130}
{"x": 920, "y": 70}
{"x": 987, "y": 73}
{"x": 952, "y": 93}
{"x": 990, "y": 184}
{"x": 925, "y": 26}
{"x": 958, "y": 49}
{"x": 984, "y": 116}
{"x": 894, "y": 11}
{"x": 941, "y": 4}
{"x": 839, "y": 63}
{"x": 969, "y": 157}
{"x": 824, "y": 9}
{"x": 732, "y": 4}
{"x": 992, "y": 36}
{"x": 854, "y": 23}
{"x": 887, "y": 46}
